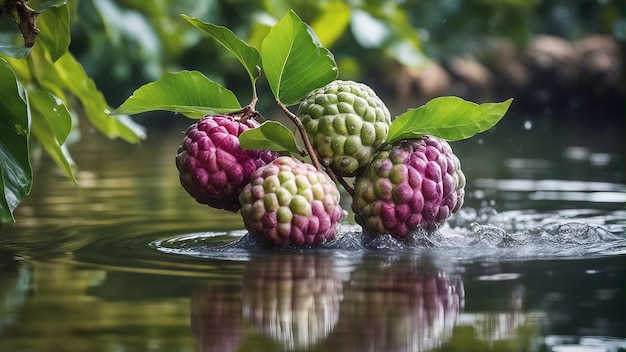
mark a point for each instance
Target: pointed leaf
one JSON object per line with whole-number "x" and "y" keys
{"x": 186, "y": 92}
{"x": 75, "y": 79}
{"x": 54, "y": 30}
{"x": 65, "y": 78}
{"x": 16, "y": 174}
{"x": 450, "y": 118}
{"x": 246, "y": 54}
{"x": 271, "y": 135}
{"x": 294, "y": 61}
{"x": 51, "y": 125}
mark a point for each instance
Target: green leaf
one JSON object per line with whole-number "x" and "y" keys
{"x": 66, "y": 79}
{"x": 450, "y": 118}
{"x": 67, "y": 74}
{"x": 294, "y": 61}
{"x": 41, "y": 5}
{"x": 15, "y": 169}
{"x": 17, "y": 52}
{"x": 186, "y": 92}
{"x": 51, "y": 124}
{"x": 246, "y": 54}
{"x": 54, "y": 30}
{"x": 271, "y": 135}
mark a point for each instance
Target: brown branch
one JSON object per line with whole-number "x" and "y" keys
{"x": 341, "y": 181}
{"x": 24, "y": 18}
{"x": 247, "y": 111}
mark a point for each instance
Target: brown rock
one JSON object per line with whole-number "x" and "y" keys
{"x": 600, "y": 62}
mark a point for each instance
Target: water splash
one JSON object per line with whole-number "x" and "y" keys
{"x": 471, "y": 234}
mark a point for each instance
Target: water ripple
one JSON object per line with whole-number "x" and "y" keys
{"x": 472, "y": 235}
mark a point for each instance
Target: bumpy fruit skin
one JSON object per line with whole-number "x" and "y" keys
{"x": 212, "y": 166}
{"x": 346, "y": 122}
{"x": 412, "y": 184}
{"x": 288, "y": 202}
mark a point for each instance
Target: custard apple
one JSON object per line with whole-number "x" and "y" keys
{"x": 289, "y": 202}
{"x": 346, "y": 122}
{"x": 411, "y": 184}
{"x": 213, "y": 168}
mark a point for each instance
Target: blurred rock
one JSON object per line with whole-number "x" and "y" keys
{"x": 471, "y": 79}
{"x": 553, "y": 66}
{"x": 601, "y": 65}
{"x": 421, "y": 84}
{"x": 550, "y": 72}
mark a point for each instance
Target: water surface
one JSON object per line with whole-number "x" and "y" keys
{"x": 127, "y": 261}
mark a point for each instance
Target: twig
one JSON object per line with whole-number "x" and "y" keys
{"x": 305, "y": 137}
{"x": 24, "y": 18}
{"x": 248, "y": 111}
{"x": 341, "y": 181}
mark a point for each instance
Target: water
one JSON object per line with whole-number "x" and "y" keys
{"x": 127, "y": 261}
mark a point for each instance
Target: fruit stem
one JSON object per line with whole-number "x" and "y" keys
{"x": 24, "y": 18}
{"x": 305, "y": 137}
{"x": 341, "y": 181}
{"x": 247, "y": 111}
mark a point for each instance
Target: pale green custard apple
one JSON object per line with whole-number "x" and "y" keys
{"x": 346, "y": 122}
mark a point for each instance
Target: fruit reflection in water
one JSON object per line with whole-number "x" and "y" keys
{"x": 216, "y": 319}
{"x": 397, "y": 305}
{"x": 292, "y": 299}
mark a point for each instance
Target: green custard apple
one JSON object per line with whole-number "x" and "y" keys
{"x": 346, "y": 122}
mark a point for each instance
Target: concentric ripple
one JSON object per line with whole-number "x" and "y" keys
{"x": 472, "y": 234}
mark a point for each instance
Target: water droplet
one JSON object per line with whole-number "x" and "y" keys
{"x": 528, "y": 125}
{"x": 21, "y": 130}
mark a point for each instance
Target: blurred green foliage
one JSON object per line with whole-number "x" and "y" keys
{"x": 126, "y": 43}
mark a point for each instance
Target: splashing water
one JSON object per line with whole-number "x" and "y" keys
{"x": 471, "y": 234}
